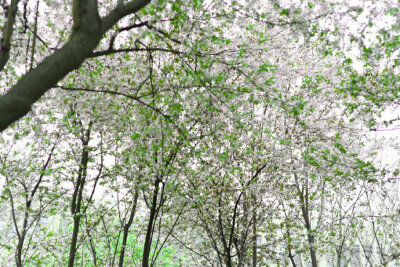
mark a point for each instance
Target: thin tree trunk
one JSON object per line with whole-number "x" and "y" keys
{"x": 254, "y": 233}
{"x": 72, "y": 250}
{"x": 242, "y": 246}
{"x": 310, "y": 236}
{"x": 149, "y": 233}
{"x": 312, "y": 250}
{"x": 339, "y": 258}
{"x": 340, "y": 249}
{"x": 291, "y": 257}
{"x": 28, "y": 201}
{"x": 126, "y": 228}
{"x": 304, "y": 209}
{"x": 77, "y": 197}
{"x": 21, "y": 241}
{"x": 93, "y": 249}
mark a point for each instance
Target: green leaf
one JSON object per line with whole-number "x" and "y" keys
{"x": 285, "y": 12}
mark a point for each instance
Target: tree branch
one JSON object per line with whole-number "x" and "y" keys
{"x": 134, "y": 49}
{"x": 121, "y": 11}
{"x": 87, "y": 32}
{"x": 137, "y": 99}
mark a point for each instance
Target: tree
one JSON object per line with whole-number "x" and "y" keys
{"x": 30, "y": 186}
{"x": 191, "y": 133}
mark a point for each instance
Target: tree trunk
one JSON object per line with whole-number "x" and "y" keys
{"x": 254, "y": 234}
{"x": 291, "y": 257}
{"x": 72, "y": 249}
{"x": 126, "y": 228}
{"x": 149, "y": 233}
{"x": 310, "y": 236}
{"x": 306, "y": 216}
{"x": 77, "y": 199}
{"x": 21, "y": 240}
{"x": 312, "y": 251}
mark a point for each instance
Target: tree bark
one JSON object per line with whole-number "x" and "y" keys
{"x": 21, "y": 241}
{"x": 254, "y": 256}
{"x": 149, "y": 232}
{"x": 304, "y": 202}
{"x": 126, "y": 228}
{"x": 311, "y": 238}
{"x": 310, "y": 235}
{"x": 77, "y": 198}
{"x": 74, "y": 240}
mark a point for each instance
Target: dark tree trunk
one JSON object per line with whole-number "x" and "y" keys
{"x": 74, "y": 240}
{"x": 77, "y": 198}
{"x": 21, "y": 240}
{"x": 149, "y": 233}
{"x": 126, "y": 229}
{"x": 310, "y": 235}
{"x": 254, "y": 234}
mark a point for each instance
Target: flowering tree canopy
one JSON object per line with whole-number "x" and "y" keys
{"x": 198, "y": 133}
